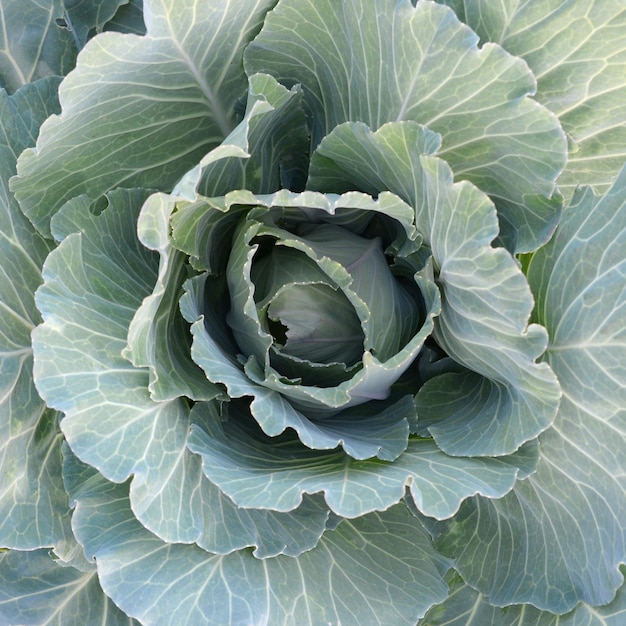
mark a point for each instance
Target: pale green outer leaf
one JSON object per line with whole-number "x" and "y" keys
{"x": 222, "y": 527}
{"x": 95, "y": 281}
{"x": 392, "y": 61}
{"x": 560, "y": 535}
{"x": 140, "y": 111}
{"x": 577, "y": 51}
{"x": 33, "y": 503}
{"x": 486, "y": 301}
{"x": 257, "y": 472}
{"x": 32, "y": 46}
{"x": 377, "y": 570}
{"x": 36, "y": 591}
{"x": 466, "y": 607}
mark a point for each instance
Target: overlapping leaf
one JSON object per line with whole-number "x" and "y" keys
{"x": 486, "y": 302}
{"x": 32, "y": 46}
{"x": 35, "y": 590}
{"x": 560, "y": 536}
{"x": 256, "y": 471}
{"x": 140, "y": 111}
{"x": 385, "y": 560}
{"x": 392, "y": 62}
{"x": 277, "y": 404}
{"x": 86, "y": 17}
{"x": 94, "y": 283}
{"x": 467, "y": 607}
{"x": 128, "y": 19}
{"x": 33, "y": 503}
{"x": 577, "y": 51}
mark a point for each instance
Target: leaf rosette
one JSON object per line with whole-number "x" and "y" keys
{"x": 374, "y": 331}
{"x": 301, "y": 310}
{"x": 361, "y": 336}
{"x": 320, "y": 320}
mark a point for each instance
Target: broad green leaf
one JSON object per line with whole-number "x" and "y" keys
{"x": 226, "y": 527}
{"x": 33, "y": 503}
{"x": 94, "y": 283}
{"x": 467, "y": 607}
{"x": 577, "y": 51}
{"x": 380, "y": 569}
{"x": 36, "y": 591}
{"x": 486, "y": 301}
{"x": 256, "y": 471}
{"x": 86, "y": 17}
{"x": 557, "y": 539}
{"x": 140, "y": 111}
{"x": 396, "y": 62}
{"x": 32, "y": 46}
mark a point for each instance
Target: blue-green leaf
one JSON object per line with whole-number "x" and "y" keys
{"x": 566, "y": 522}
{"x": 33, "y": 503}
{"x": 158, "y": 336}
{"x": 36, "y": 590}
{"x": 392, "y": 61}
{"x": 140, "y": 111}
{"x": 128, "y": 19}
{"x": 205, "y": 228}
{"x": 257, "y": 471}
{"x": 379, "y": 569}
{"x": 467, "y": 607}
{"x": 94, "y": 283}
{"x": 32, "y": 46}
{"x": 86, "y": 17}
{"x": 486, "y": 301}
{"x": 577, "y": 51}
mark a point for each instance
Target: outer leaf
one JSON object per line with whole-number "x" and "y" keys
{"x": 33, "y": 504}
{"x": 32, "y": 46}
{"x": 36, "y": 591}
{"x": 466, "y": 607}
{"x": 380, "y": 569}
{"x": 95, "y": 281}
{"x": 255, "y": 471}
{"x": 140, "y": 111}
{"x": 559, "y": 537}
{"x": 577, "y": 50}
{"x": 486, "y": 301}
{"x": 396, "y": 62}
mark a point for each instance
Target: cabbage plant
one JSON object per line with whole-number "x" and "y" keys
{"x": 313, "y": 312}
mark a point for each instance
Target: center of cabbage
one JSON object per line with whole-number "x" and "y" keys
{"x": 316, "y": 323}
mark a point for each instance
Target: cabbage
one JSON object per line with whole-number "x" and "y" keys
{"x": 312, "y": 312}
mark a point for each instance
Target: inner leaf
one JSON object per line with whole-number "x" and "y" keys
{"x": 319, "y": 324}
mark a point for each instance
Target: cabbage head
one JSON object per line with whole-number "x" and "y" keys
{"x": 313, "y": 312}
